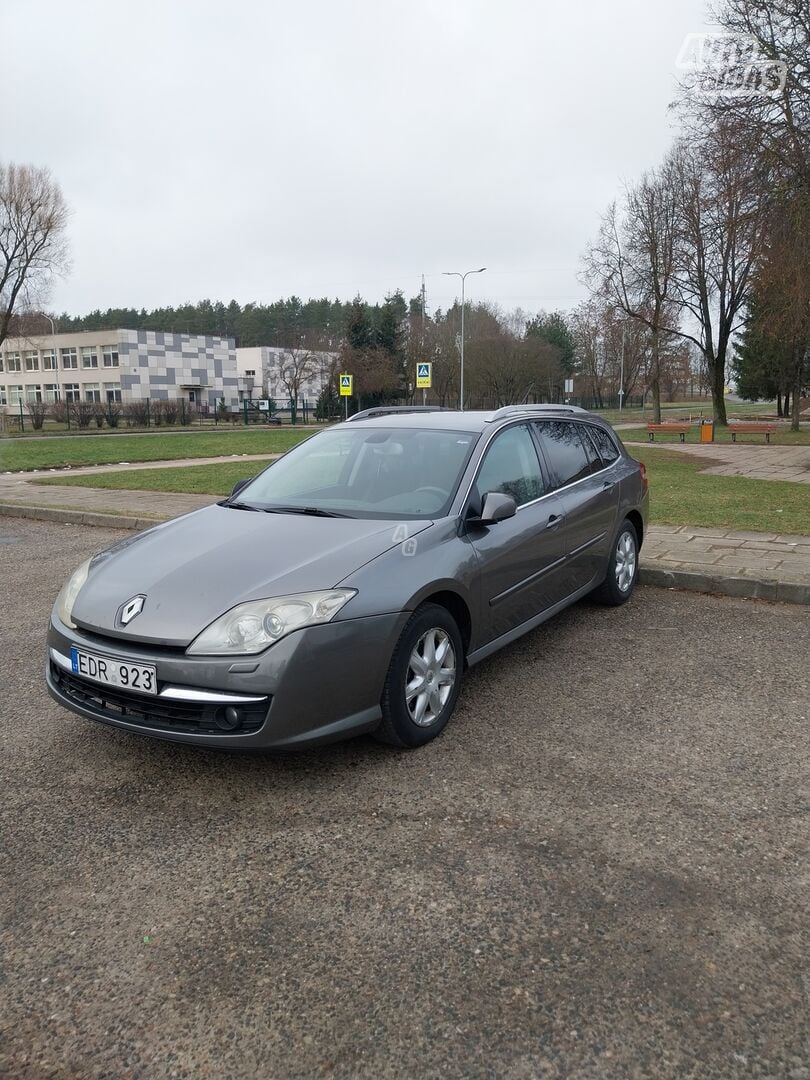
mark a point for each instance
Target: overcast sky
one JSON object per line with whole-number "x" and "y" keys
{"x": 253, "y": 150}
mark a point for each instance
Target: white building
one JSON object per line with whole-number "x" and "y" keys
{"x": 118, "y": 365}
{"x": 260, "y": 370}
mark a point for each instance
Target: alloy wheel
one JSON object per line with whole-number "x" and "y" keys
{"x": 625, "y": 562}
{"x": 430, "y": 677}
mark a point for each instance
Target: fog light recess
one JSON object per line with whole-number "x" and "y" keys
{"x": 229, "y": 718}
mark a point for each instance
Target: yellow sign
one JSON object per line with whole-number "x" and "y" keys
{"x": 346, "y": 385}
{"x": 424, "y": 376}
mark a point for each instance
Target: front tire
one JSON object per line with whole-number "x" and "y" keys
{"x": 622, "y": 574}
{"x": 424, "y": 679}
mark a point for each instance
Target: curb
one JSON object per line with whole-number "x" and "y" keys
{"x": 781, "y": 592}
{"x": 78, "y": 517}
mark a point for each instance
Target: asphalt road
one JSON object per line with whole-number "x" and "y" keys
{"x": 600, "y": 870}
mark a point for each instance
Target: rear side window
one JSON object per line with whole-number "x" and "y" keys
{"x": 565, "y": 451}
{"x": 608, "y": 451}
{"x": 511, "y": 466}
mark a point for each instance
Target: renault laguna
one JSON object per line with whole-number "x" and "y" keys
{"x": 349, "y": 585}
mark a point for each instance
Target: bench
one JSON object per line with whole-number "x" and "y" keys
{"x": 755, "y": 429}
{"x": 674, "y": 429}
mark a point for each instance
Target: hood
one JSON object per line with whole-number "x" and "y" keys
{"x": 193, "y": 569}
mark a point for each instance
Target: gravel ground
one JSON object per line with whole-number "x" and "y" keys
{"x": 600, "y": 870}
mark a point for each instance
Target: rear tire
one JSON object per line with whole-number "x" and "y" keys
{"x": 622, "y": 574}
{"x": 424, "y": 679}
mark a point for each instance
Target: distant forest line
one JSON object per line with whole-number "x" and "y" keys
{"x": 321, "y": 323}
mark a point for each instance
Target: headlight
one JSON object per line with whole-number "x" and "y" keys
{"x": 70, "y": 590}
{"x": 251, "y": 627}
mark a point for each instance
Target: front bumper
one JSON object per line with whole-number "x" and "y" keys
{"x": 316, "y": 685}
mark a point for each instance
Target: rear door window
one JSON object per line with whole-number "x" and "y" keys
{"x": 608, "y": 451}
{"x": 565, "y": 451}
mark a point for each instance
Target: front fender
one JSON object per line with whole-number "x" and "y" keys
{"x": 436, "y": 560}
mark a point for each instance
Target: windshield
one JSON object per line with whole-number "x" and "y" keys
{"x": 389, "y": 473}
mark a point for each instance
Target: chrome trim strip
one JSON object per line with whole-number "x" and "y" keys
{"x": 526, "y": 582}
{"x": 534, "y": 502}
{"x": 518, "y": 631}
{"x": 187, "y": 693}
{"x": 590, "y": 476}
{"x": 61, "y": 660}
{"x": 586, "y": 545}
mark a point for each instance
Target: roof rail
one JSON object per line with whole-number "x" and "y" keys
{"x": 517, "y": 410}
{"x": 395, "y": 410}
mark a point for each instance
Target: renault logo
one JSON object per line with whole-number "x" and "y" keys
{"x": 128, "y": 611}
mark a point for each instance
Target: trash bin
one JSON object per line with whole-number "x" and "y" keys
{"x": 707, "y": 431}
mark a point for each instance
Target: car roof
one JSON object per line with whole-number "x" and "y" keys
{"x": 474, "y": 420}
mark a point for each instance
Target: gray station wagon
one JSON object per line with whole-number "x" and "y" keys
{"x": 348, "y": 586}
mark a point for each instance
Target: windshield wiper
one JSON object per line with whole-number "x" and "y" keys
{"x": 312, "y": 511}
{"x": 240, "y": 505}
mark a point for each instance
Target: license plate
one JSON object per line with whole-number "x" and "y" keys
{"x": 140, "y": 678}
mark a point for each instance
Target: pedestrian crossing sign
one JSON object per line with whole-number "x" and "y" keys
{"x": 424, "y": 376}
{"x": 346, "y": 385}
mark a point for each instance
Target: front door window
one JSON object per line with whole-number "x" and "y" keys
{"x": 511, "y": 467}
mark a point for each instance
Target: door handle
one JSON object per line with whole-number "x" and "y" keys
{"x": 554, "y": 521}
{"x": 608, "y": 485}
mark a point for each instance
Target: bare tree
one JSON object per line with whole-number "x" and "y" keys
{"x": 722, "y": 202}
{"x": 612, "y": 350}
{"x": 782, "y": 286}
{"x": 757, "y": 81}
{"x": 296, "y": 367}
{"x": 592, "y": 331}
{"x": 633, "y": 262}
{"x": 33, "y": 247}
{"x": 754, "y": 86}
{"x": 542, "y": 365}
{"x": 504, "y": 369}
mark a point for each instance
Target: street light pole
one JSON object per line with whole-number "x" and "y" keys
{"x": 456, "y": 273}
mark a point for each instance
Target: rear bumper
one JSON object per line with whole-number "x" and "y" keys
{"x": 316, "y": 685}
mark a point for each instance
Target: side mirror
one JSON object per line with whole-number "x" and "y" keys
{"x": 497, "y": 507}
{"x": 237, "y": 487}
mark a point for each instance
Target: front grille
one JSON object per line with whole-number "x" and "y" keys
{"x": 111, "y": 643}
{"x": 157, "y": 713}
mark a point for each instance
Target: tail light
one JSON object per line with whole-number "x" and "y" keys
{"x": 645, "y": 483}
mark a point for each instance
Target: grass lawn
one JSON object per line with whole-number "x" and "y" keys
{"x": 781, "y": 437}
{"x": 679, "y": 494}
{"x": 53, "y": 452}
{"x": 191, "y": 479}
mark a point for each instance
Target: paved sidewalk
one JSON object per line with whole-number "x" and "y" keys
{"x": 33, "y": 475}
{"x": 728, "y": 561}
